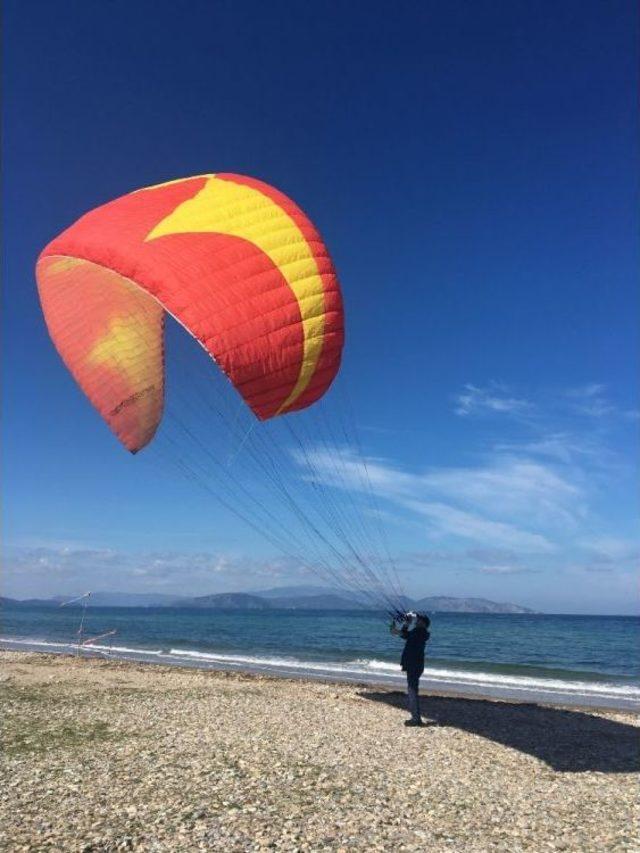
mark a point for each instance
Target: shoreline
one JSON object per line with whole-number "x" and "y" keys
{"x": 553, "y": 697}
{"x": 106, "y": 755}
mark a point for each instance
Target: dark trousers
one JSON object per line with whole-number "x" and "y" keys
{"x": 413, "y": 698}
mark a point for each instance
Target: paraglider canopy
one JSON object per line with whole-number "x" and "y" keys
{"x": 236, "y": 262}
{"x": 247, "y": 275}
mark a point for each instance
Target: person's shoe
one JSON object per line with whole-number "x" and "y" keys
{"x": 413, "y": 723}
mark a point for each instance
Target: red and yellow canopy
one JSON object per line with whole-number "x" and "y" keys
{"x": 235, "y": 261}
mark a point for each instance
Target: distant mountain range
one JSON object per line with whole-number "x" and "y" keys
{"x": 279, "y": 598}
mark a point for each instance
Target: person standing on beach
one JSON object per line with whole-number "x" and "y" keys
{"x": 415, "y": 633}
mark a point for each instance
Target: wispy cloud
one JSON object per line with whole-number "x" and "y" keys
{"x": 495, "y": 398}
{"x": 499, "y": 556}
{"x": 594, "y": 401}
{"x": 530, "y": 501}
{"x": 479, "y": 561}
{"x": 590, "y": 400}
{"x": 461, "y": 524}
{"x": 62, "y": 570}
{"x": 498, "y": 561}
{"x": 611, "y": 549}
{"x": 587, "y": 391}
{"x": 505, "y": 570}
{"x": 561, "y": 446}
{"x": 494, "y": 504}
{"x": 511, "y": 487}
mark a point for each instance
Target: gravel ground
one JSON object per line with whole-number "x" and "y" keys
{"x": 103, "y": 755}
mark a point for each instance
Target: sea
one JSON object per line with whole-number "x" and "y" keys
{"x": 578, "y": 661}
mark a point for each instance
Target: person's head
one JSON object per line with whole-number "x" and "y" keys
{"x": 422, "y": 620}
{"x": 413, "y": 620}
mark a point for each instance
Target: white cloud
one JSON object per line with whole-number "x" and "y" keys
{"x": 498, "y": 556}
{"x": 448, "y": 520}
{"x": 46, "y": 571}
{"x": 503, "y": 485}
{"x": 588, "y": 391}
{"x": 511, "y": 487}
{"x": 590, "y": 401}
{"x": 611, "y": 548}
{"x": 525, "y": 505}
{"x": 504, "y": 570}
{"x": 494, "y": 504}
{"x": 474, "y": 400}
{"x": 563, "y": 447}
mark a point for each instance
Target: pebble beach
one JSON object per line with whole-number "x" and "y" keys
{"x": 101, "y": 755}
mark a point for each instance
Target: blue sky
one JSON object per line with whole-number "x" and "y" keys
{"x": 473, "y": 168}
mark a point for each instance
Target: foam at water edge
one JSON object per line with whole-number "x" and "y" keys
{"x": 373, "y": 667}
{"x": 85, "y": 647}
{"x": 363, "y": 667}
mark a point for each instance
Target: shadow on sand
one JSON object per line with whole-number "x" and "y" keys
{"x": 569, "y": 741}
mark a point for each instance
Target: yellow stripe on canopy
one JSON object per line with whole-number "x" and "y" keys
{"x": 225, "y": 207}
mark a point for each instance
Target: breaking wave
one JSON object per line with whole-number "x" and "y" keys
{"x": 365, "y": 669}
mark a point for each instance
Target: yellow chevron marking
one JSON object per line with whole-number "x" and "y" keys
{"x": 224, "y": 207}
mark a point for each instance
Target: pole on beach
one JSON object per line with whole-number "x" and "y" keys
{"x": 85, "y": 601}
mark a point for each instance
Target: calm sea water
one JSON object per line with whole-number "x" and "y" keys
{"x": 583, "y": 659}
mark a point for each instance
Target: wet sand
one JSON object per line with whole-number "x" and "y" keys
{"x": 106, "y": 755}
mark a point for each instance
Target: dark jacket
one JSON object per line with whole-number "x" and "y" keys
{"x": 412, "y": 659}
